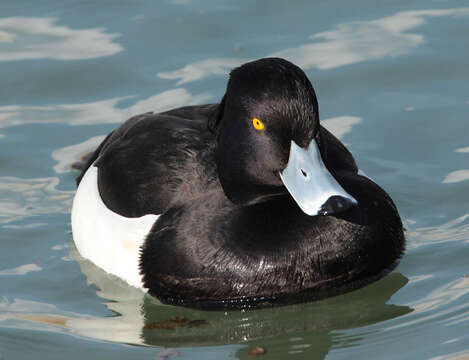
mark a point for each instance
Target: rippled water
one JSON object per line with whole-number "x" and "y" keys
{"x": 392, "y": 81}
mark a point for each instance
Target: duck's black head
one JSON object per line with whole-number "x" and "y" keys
{"x": 268, "y": 115}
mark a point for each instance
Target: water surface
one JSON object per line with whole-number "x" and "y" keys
{"x": 392, "y": 82}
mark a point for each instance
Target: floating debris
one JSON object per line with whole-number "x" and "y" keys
{"x": 258, "y": 350}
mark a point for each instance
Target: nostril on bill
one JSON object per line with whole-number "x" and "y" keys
{"x": 304, "y": 173}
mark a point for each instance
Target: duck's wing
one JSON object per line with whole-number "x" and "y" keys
{"x": 90, "y": 158}
{"x": 193, "y": 112}
{"x": 153, "y": 161}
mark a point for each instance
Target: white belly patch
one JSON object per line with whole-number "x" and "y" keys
{"x": 109, "y": 240}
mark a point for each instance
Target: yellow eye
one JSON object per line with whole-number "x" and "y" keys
{"x": 258, "y": 125}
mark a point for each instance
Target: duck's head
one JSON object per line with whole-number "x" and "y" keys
{"x": 267, "y": 127}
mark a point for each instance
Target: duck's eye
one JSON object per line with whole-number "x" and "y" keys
{"x": 258, "y": 125}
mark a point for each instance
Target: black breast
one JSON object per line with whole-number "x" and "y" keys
{"x": 212, "y": 253}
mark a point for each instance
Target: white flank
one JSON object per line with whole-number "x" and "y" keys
{"x": 109, "y": 240}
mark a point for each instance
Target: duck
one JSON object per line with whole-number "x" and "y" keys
{"x": 248, "y": 202}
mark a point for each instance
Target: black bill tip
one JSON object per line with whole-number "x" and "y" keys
{"x": 336, "y": 204}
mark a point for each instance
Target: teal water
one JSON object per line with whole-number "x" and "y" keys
{"x": 393, "y": 83}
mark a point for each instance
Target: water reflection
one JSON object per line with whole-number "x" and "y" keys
{"x": 202, "y": 69}
{"x": 98, "y": 112}
{"x": 70, "y": 154}
{"x": 24, "y": 38}
{"x": 454, "y": 230}
{"x": 340, "y": 125}
{"x": 33, "y": 315}
{"x": 463, "y": 150}
{"x": 458, "y": 175}
{"x": 348, "y": 43}
{"x": 359, "y": 41}
{"x": 448, "y": 293}
{"x": 21, "y": 270}
{"x": 445, "y": 306}
{"x": 6, "y": 37}
{"x": 27, "y": 197}
{"x": 141, "y": 319}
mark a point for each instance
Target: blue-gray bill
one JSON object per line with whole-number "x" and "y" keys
{"x": 310, "y": 183}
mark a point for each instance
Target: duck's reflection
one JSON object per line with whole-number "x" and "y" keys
{"x": 141, "y": 319}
